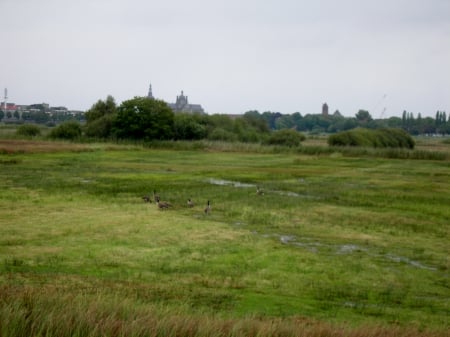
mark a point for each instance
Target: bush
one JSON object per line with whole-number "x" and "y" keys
{"x": 28, "y": 130}
{"x": 286, "y": 137}
{"x": 100, "y": 127}
{"x": 394, "y": 138}
{"x": 187, "y": 127}
{"x": 69, "y": 130}
{"x": 223, "y": 135}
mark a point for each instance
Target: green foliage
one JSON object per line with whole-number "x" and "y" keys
{"x": 286, "y": 137}
{"x": 189, "y": 127}
{"x": 70, "y": 130}
{"x": 100, "y": 118}
{"x": 255, "y": 120}
{"x": 28, "y": 130}
{"x": 100, "y": 127}
{"x": 223, "y": 135}
{"x": 144, "y": 118}
{"x": 395, "y": 138}
{"x": 101, "y": 108}
{"x": 363, "y": 116}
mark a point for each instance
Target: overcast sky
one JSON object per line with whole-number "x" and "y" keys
{"x": 231, "y": 56}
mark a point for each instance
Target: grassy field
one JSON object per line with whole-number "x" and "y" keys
{"x": 337, "y": 245}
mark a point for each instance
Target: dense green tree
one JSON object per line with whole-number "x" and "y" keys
{"x": 100, "y": 118}
{"x": 271, "y": 118}
{"x": 101, "y": 108}
{"x": 144, "y": 118}
{"x": 255, "y": 120}
{"x": 285, "y": 122}
{"x": 188, "y": 126}
{"x": 363, "y": 116}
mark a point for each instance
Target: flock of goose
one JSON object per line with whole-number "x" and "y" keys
{"x": 165, "y": 205}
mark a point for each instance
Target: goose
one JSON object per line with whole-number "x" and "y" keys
{"x": 162, "y": 204}
{"x": 155, "y": 196}
{"x": 190, "y": 203}
{"x": 146, "y": 198}
{"x": 208, "y": 208}
{"x": 259, "y": 191}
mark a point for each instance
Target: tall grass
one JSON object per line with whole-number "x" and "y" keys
{"x": 26, "y": 311}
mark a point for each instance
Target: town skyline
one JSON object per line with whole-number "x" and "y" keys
{"x": 182, "y": 100}
{"x": 232, "y": 56}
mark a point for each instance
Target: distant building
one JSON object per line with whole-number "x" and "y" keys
{"x": 337, "y": 114}
{"x": 11, "y": 107}
{"x": 182, "y": 105}
{"x": 325, "y": 110}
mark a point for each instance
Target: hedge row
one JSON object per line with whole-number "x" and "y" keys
{"x": 395, "y": 138}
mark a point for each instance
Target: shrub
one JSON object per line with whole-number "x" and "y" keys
{"x": 100, "y": 127}
{"x": 28, "y": 130}
{"x": 286, "y": 137}
{"x": 223, "y": 135}
{"x": 394, "y": 138}
{"x": 69, "y": 130}
{"x": 187, "y": 127}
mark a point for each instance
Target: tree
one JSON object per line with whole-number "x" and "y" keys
{"x": 255, "y": 119}
{"x": 100, "y": 118}
{"x": 187, "y": 126}
{"x": 101, "y": 108}
{"x": 363, "y": 116}
{"x": 144, "y": 118}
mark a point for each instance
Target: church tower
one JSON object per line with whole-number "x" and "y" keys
{"x": 325, "y": 110}
{"x": 150, "y": 93}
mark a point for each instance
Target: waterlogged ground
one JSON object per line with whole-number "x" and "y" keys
{"x": 362, "y": 240}
{"x": 312, "y": 244}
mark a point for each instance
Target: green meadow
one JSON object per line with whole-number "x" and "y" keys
{"x": 336, "y": 245}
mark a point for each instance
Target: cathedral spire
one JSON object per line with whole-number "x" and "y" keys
{"x": 150, "y": 94}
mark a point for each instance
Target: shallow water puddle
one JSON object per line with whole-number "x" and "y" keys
{"x": 223, "y": 182}
{"x": 314, "y": 247}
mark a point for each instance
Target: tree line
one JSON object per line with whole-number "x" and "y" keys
{"x": 141, "y": 118}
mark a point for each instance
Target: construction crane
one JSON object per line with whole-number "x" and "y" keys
{"x": 378, "y": 104}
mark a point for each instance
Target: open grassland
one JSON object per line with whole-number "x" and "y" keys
{"x": 336, "y": 245}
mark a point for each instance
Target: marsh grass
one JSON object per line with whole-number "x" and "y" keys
{"x": 31, "y": 312}
{"x": 344, "y": 246}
